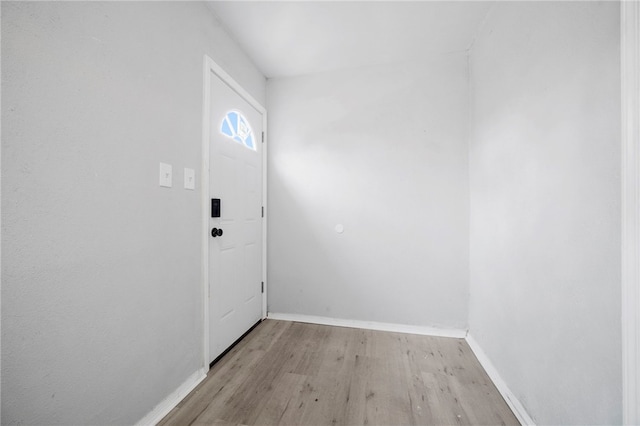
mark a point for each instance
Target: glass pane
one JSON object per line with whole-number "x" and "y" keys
{"x": 236, "y": 127}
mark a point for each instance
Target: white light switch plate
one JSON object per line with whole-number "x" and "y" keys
{"x": 189, "y": 178}
{"x": 165, "y": 175}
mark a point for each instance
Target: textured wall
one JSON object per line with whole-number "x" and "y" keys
{"x": 381, "y": 151}
{"x": 101, "y": 293}
{"x": 545, "y": 206}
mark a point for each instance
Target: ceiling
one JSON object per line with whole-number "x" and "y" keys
{"x": 304, "y": 37}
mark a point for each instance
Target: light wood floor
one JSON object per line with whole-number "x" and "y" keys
{"x": 286, "y": 373}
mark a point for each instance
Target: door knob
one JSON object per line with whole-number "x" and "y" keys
{"x": 215, "y": 232}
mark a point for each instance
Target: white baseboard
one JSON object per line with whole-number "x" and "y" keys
{"x": 509, "y": 397}
{"x": 173, "y": 399}
{"x": 371, "y": 325}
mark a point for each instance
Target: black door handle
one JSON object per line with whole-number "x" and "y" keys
{"x": 215, "y": 232}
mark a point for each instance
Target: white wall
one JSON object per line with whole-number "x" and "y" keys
{"x": 545, "y": 206}
{"x": 382, "y": 151}
{"x": 101, "y": 293}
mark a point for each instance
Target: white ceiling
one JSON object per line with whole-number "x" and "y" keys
{"x": 304, "y": 37}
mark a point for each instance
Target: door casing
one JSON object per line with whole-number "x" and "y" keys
{"x": 210, "y": 66}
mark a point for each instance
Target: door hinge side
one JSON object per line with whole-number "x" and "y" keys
{"x": 262, "y": 287}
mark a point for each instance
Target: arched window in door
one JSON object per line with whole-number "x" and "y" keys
{"x": 236, "y": 127}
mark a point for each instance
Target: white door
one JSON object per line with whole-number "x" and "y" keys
{"x": 235, "y": 250}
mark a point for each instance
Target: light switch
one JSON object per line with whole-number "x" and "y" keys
{"x": 189, "y": 178}
{"x": 165, "y": 175}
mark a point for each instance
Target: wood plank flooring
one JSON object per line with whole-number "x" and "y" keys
{"x": 287, "y": 373}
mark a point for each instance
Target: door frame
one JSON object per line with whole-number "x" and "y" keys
{"x": 630, "y": 90}
{"x": 210, "y": 66}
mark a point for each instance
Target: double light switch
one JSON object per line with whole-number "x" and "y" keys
{"x": 166, "y": 177}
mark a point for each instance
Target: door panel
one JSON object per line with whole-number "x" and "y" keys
{"x": 235, "y": 257}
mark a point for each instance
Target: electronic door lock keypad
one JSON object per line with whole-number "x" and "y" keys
{"x": 215, "y": 207}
